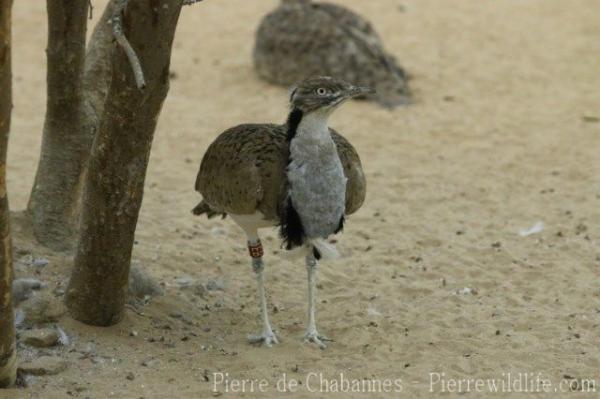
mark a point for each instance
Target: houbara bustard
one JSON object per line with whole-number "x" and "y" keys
{"x": 302, "y": 38}
{"x": 301, "y": 176}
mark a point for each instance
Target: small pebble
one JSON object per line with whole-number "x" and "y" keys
{"x": 466, "y": 291}
{"x": 40, "y": 262}
{"x": 184, "y": 281}
{"x": 40, "y": 338}
{"x": 149, "y": 362}
{"x": 44, "y": 365}
{"x": 22, "y": 288}
{"x": 215, "y": 285}
{"x": 43, "y": 308}
{"x": 19, "y": 317}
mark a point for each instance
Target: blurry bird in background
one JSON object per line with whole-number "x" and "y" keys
{"x": 302, "y": 38}
{"x": 301, "y": 176}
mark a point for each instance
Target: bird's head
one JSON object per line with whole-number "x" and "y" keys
{"x": 323, "y": 94}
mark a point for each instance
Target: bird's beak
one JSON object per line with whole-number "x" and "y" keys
{"x": 356, "y": 91}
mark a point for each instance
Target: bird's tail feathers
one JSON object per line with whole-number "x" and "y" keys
{"x": 204, "y": 209}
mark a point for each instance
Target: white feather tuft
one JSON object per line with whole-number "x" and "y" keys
{"x": 327, "y": 250}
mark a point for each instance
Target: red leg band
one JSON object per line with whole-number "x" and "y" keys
{"x": 256, "y": 250}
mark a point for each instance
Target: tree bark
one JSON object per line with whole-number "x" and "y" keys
{"x": 117, "y": 167}
{"x": 96, "y": 82}
{"x": 65, "y": 142}
{"x": 8, "y": 353}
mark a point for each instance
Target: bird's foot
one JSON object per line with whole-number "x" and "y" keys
{"x": 317, "y": 339}
{"x": 267, "y": 337}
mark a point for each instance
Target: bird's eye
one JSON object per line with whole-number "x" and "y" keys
{"x": 321, "y": 91}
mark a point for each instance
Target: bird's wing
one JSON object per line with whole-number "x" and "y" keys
{"x": 356, "y": 187}
{"x": 243, "y": 170}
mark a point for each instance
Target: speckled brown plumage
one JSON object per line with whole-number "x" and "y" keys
{"x": 301, "y": 176}
{"x": 243, "y": 171}
{"x": 302, "y": 38}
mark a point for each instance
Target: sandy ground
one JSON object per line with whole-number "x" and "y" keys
{"x": 504, "y": 134}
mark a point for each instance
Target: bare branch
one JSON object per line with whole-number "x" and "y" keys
{"x": 117, "y": 24}
{"x": 91, "y": 8}
{"x": 190, "y": 2}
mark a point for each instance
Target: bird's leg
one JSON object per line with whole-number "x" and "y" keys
{"x": 312, "y": 335}
{"x": 267, "y": 336}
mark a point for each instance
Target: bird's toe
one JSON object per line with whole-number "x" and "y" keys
{"x": 268, "y": 338}
{"x": 315, "y": 338}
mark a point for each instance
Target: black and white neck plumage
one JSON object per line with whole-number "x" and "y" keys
{"x": 316, "y": 199}
{"x": 317, "y": 184}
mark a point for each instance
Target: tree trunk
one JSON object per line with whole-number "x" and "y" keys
{"x": 8, "y": 352}
{"x": 96, "y": 81}
{"x": 117, "y": 167}
{"x": 65, "y": 142}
